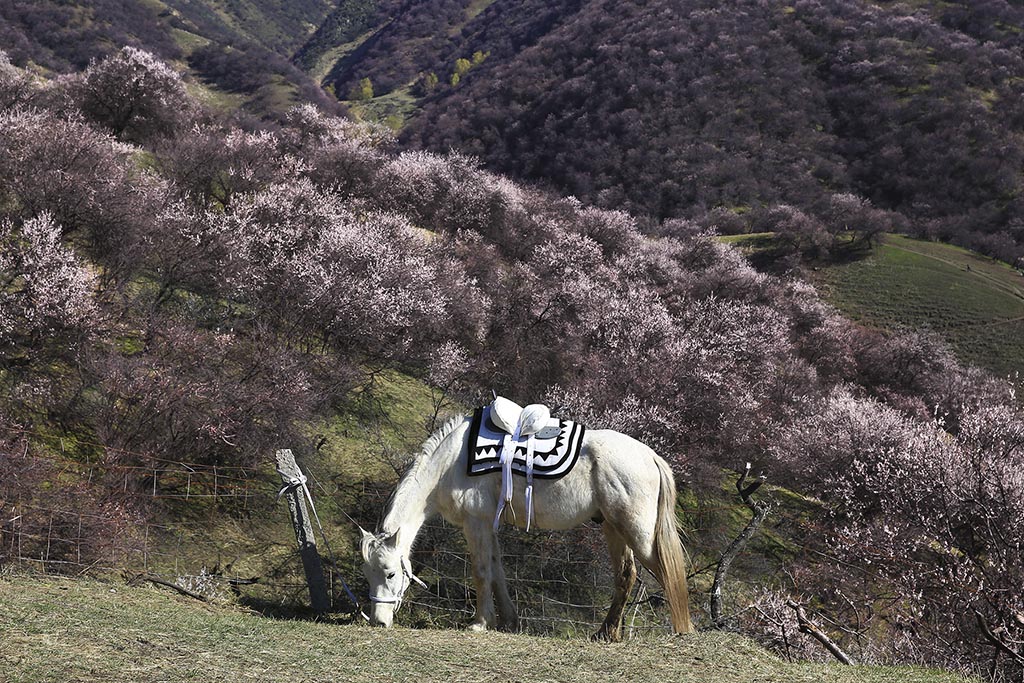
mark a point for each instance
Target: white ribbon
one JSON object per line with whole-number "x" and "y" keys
{"x": 508, "y": 455}
{"x": 294, "y": 483}
{"x": 530, "y": 445}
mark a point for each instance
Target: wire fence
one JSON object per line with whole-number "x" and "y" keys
{"x": 222, "y": 533}
{"x": 230, "y": 537}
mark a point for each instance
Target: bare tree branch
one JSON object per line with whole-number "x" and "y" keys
{"x": 160, "y": 582}
{"x": 996, "y": 640}
{"x": 745, "y": 491}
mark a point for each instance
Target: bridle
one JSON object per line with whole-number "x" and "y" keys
{"x": 407, "y": 578}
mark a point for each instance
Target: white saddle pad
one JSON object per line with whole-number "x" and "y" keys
{"x": 554, "y": 456}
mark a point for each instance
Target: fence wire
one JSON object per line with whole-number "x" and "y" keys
{"x": 560, "y": 585}
{"x": 561, "y": 581}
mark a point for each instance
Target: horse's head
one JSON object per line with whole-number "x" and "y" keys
{"x": 388, "y": 573}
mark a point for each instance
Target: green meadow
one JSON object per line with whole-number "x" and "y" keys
{"x": 975, "y": 303}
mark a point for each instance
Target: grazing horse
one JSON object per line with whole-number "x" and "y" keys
{"x": 616, "y": 480}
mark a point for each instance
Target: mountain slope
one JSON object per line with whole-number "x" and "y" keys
{"x": 974, "y": 304}
{"x": 670, "y": 109}
{"x": 278, "y": 26}
{"x": 240, "y": 47}
{"x": 340, "y": 31}
{"x": 411, "y": 39}
{"x": 178, "y": 289}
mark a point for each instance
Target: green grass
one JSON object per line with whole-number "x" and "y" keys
{"x": 280, "y": 26}
{"x": 386, "y": 421}
{"x": 277, "y": 94}
{"x": 382, "y": 426}
{"x": 749, "y": 242}
{"x": 473, "y": 10}
{"x": 188, "y": 42}
{"x": 392, "y": 109}
{"x": 59, "y": 630}
{"x": 974, "y": 303}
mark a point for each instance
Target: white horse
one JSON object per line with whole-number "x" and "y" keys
{"x": 617, "y": 480}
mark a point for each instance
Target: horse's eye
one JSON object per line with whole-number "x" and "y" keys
{"x": 391, "y": 575}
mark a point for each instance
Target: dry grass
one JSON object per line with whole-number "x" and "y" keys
{"x": 83, "y": 630}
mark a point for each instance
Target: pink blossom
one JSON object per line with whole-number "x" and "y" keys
{"x": 44, "y": 285}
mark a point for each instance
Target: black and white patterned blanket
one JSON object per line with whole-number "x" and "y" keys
{"x": 553, "y": 457}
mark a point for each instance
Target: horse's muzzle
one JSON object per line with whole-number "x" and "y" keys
{"x": 382, "y": 615}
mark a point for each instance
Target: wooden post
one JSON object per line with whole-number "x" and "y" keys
{"x": 290, "y": 474}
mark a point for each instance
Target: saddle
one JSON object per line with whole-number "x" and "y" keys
{"x": 509, "y": 417}
{"x": 513, "y": 439}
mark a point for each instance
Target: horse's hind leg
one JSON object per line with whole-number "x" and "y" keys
{"x": 624, "y": 569}
{"x": 482, "y": 544}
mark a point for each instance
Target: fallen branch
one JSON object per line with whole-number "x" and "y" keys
{"x": 160, "y": 582}
{"x": 810, "y": 628}
{"x": 996, "y": 640}
{"x": 745, "y": 491}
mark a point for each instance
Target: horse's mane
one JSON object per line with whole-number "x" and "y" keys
{"x": 439, "y": 435}
{"x": 422, "y": 461}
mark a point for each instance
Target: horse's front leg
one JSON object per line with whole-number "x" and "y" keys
{"x": 506, "y": 608}
{"x": 482, "y": 543}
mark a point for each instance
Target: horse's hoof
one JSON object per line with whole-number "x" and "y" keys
{"x": 477, "y": 627}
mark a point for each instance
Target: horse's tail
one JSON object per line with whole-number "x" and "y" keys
{"x": 668, "y": 551}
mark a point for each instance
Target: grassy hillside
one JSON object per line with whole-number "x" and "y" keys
{"x": 59, "y": 630}
{"x": 289, "y": 283}
{"x": 282, "y": 27}
{"x": 365, "y": 443}
{"x": 976, "y": 304}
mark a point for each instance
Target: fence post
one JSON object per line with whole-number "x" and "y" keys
{"x": 290, "y": 474}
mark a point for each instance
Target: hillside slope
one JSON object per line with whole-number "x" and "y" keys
{"x": 661, "y": 108}
{"x": 281, "y": 27}
{"x": 178, "y": 290}
{"x": 973, "y": 303}
{"x": 243, "y": 48}
{"x": 403, "y": 41}
{"x": 671, "y": 109}
{"x": 54, "y": 630}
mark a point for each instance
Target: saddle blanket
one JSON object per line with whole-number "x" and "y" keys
{"x": 553, "y": 457}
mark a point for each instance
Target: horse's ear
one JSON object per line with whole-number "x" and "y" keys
{"x": 364, "y": 544}
{"x": 392, "y": 540}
